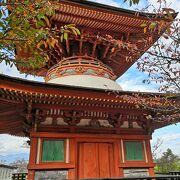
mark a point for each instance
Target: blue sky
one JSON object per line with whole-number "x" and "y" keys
{"x": 130, "y": 81}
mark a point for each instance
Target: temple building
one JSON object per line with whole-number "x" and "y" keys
{"x": 6, "y": 171}
{"x": 79, "y": 122}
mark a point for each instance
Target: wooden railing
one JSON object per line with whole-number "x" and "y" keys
{"x": 174, "y": 173}
{"x": 19, "y": 176}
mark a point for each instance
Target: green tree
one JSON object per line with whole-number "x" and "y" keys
{"x": 168, "y": 162}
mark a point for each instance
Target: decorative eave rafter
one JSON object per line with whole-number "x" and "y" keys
{"x": 102, "y": 17}
{"x": 94, "y": 18}
{"x": 15, "y": 90}
{"x": 22, "y": 100}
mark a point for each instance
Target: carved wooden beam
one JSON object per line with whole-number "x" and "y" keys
{"x": 115, "y": 119}
{"x": 149, "y": 129}
{"x": 67, "y": 47}
{"x": 80, "y": 46}
{"x": 72, "y": 117}
{"x": 28, "y": 115}
{"x": 28, "y": 119}
{"x": 105, "y": 52}
{"x": 36, "y": 119}
{"x": 94, "y": 49}
{"x": 127, "y": 36}
{"x": 94, "y": 123}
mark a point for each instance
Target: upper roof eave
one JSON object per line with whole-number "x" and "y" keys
{"x": 114, "y": 9}
{"x": 99, "y": 18}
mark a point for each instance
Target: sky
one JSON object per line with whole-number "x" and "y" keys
{"x": 130, "y": 81}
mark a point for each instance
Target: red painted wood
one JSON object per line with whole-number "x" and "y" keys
{"x": 88, "y": 160}
{"x": 51, "y": 166}
{"x": 91, "y": 155}
{"x": 77, "y": 129}
{"x": 117, "y": 158}
{"x": 72, "y": 158}
{"x": 71, "y": 174}
{"x": 33, "y": 151}
{"x": 31, "y": 175}
{"x": 151, "y": 172}
{"x": 121, "y": 172}
{"x": 96, "y": 160}
{"x": 104, "y": 150}
{"x": 148, "y": 149}
{"x": 87, "y": 137}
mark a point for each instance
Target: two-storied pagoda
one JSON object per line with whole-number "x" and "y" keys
{"x": 76, "y": 128}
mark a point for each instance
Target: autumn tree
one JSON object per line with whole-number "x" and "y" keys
{"x": 27, "y": 25}
{"x": 162, "y": 64}
{"x": 162, "y": 61}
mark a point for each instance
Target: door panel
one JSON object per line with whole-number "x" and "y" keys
{"x": 88, "y": 164}
{"x": 95, "y": 160}
{"x": 104, "y": 160}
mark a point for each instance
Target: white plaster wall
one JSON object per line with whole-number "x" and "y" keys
{"x": 87, "y": 81}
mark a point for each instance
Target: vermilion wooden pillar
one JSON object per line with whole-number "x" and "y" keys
{"x": 32, "y": 158}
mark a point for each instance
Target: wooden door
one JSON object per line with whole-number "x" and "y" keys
{"x": 96, "y": 160}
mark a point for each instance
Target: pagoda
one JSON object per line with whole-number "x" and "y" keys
{"x": 77, "y": 124}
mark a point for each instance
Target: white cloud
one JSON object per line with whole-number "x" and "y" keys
{"x": 175, "y": 4}
{"x": 136, "y": 85}
{"x": 12, "y": 145}
{"x": 175, "y": 147}
{"x": 171, "y": 137}
{"x": 132, "y": 80}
